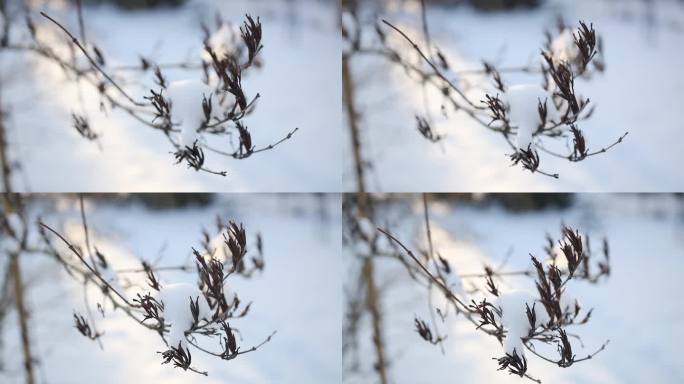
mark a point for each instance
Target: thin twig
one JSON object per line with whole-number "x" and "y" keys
{"x": 434, "y": 67}
{"x": 92, "y": 61}
{"x": 80, "y": 257}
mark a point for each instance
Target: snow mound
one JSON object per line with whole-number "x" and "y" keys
{"x": 523, "y": 103}
{"x": 514, "y": 319}
{"x": 176, "y": 300}
{"x": 224, "y": 41}
{"x": 186, "y": 107}
{"x": 219, "y": 250}
{"x": 568, "y": 301}
{"x": 563, "y": 47}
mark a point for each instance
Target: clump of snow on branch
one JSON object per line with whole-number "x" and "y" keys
{"x": 523, "y": 102}
{"x": 569, "y": 302}
{"x": 514, "y": 318}
{"x": 563, "y": 47}
{"x": 186, "y": 98}
{"x": 225, "y": 41}
{"x": 176, "y": 313}
{"x": 216, "y": 248}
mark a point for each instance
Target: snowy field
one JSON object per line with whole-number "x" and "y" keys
{"x": 299, "y": 86}
{"x": 297, "y": 295}
{"x": 639, "y": 92}
{"x": 638, "y": 308}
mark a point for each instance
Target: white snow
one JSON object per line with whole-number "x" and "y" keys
{"x": 186, "y": 107}
{"x": 14, "y": 221}
{"x": 112, "y": 278}
{"x": 568, "y": 301}
{"x": 513, "y": 306}
{"x": 176, "y": 299}
{"x": 367, "y": 227}
{"x": 225, "y": 40}
{"x": 563, "y": 47}
{"x": 74, "y": 233}
{"x": 454, "y": 281}
{"x": 217, "y": 249}
{"x": 523, "y": 102}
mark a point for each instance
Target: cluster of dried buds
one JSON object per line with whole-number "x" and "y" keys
{"x": 83, "y": 127}
{"x": 84, "y": 327}
{"x": 426, "y": 130}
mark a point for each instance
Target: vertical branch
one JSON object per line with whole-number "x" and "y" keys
{"x": 431, "y": 250}
{"x": 4, "y": 33}
{"x": 12, "y": 203}
{"x": 4, "y": 156}
{"x": 22, "y": 313}
{"x": 352, "y": 120}
{"x": 368, "y": 268}
{"x": 86, "y": 233}
{"x": 373, "y": 304}
{"x": 5, "y": 306}
{"x": 372, "y": 294}
{"x": 426, "y": 31}
{"x": 427, "y": 227}
{"x": 81, "y": 25}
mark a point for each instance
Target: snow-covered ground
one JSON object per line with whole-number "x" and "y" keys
{"x": 297, "y": 295}
{"x": 639, "y": 92}
{"x": 638, "y": 308}
{"x": 299, "y": 86}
